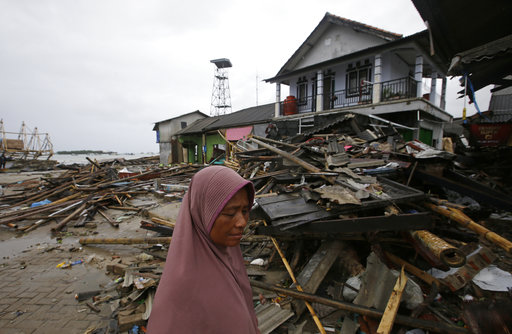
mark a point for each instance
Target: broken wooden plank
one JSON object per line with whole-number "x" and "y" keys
{"x": 126, "y": 322}
{"x": 388, "y": 318}
{"x": 316, "y": 269}
{"x": 70, "y": 217}
{"x": 108, "y": 219}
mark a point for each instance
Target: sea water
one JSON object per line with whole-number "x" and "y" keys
{"x": 68, "y": 159}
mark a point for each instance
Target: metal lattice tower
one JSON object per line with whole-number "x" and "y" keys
{"x": 221, "y": 99}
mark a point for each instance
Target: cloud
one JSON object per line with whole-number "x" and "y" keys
{"x": 97, "y": 74}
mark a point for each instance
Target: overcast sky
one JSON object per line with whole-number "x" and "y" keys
{"x": 96, "y": 74}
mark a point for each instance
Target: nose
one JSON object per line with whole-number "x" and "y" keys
{"x": 241, "y": 220}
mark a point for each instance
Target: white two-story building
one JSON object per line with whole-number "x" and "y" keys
{"x": 347, "y": 66}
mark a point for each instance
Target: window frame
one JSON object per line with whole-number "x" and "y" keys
{"x": 358, "y": 70}
{"x": 302, "y": 91}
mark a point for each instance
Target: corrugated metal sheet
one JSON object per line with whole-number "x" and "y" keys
{"x": 270, "y": 316}
{"x": 198, "y": 126}
{"x": 249, "y": 116}
{"x": 501, "y": 104}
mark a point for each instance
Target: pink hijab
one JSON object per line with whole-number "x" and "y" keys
{"x": 204, "y": 287}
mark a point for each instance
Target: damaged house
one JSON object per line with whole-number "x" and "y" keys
{"x": 347, "y": 66}
{"x": 210, "y": 138}
{"x": 171, "y": 150}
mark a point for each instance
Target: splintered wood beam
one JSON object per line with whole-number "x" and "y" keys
{"x": 388, "y": 318}
{"x": 291, "y": 157}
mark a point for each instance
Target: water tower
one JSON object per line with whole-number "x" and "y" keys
{"x": 221, "y": 100}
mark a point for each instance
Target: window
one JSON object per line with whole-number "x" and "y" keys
{"x": 358, "y": 78}
{"x": 302, "y": 90}
{"x": 183, "y": 125}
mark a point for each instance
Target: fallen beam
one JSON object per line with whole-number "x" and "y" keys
{"x": 433, "y": 326}
{"x": 125, "y": 241}
{"x": 291, "y": 157}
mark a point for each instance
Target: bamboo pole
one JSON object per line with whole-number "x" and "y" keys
{"x": 125, "y": 241}
{"x": 459, "y": 217}
{"x": 433, "y": 326}
{"x": 297, "y": 285}
{"x": 163, "y": 222}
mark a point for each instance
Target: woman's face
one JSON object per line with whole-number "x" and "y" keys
{"x": 228, "y": 228}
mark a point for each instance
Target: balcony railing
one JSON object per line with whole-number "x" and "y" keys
{"x": 398, "y": 89}
{"x": 402, "y": 88}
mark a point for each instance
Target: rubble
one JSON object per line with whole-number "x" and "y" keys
{"x": 338, "y": 215}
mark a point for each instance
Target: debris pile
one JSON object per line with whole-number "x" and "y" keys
{"x": 351, "y": 231}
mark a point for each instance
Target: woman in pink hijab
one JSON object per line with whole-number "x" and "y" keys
{"x": 204, "y": 287}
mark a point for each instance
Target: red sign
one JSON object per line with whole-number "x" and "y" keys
{"x": 493, "y": 134}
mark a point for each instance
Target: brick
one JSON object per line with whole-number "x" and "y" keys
{"x": 8, "y": 301}
{"x": 38, "y": 312}
{"x": 28, "y": 324}
{"x": 27, "y": 294}
{"x": 16, "y": 331}
{"x": 77, "y": 326}
{"x": 52, "y": 326}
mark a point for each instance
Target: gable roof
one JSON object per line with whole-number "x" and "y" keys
{"x": 180, "y": 116}
{"x": 328, "y": 21}
{"x": 420, "y": 39}
{"x": 248, "y": 116}
{"x": 197, "y": 126}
